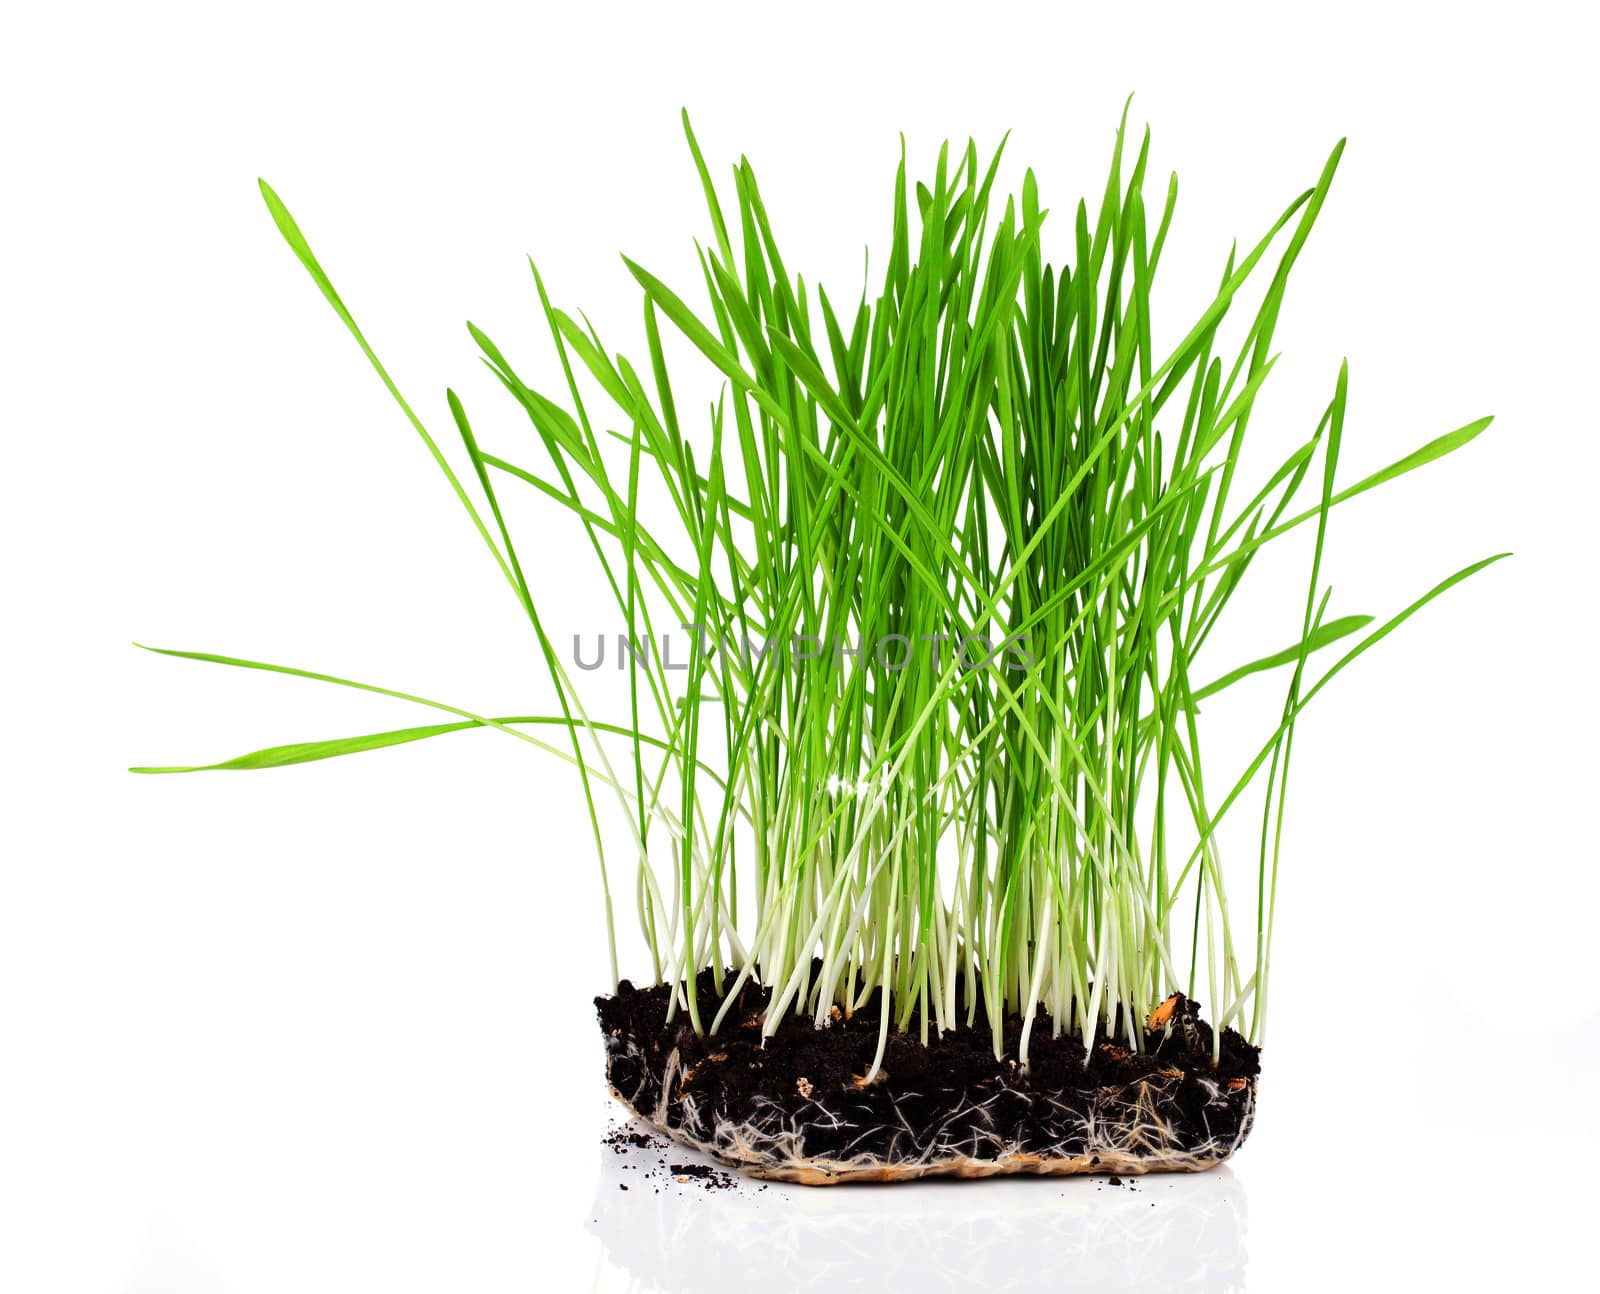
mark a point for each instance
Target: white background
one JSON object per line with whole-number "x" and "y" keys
{"x": 275, "y": 1031}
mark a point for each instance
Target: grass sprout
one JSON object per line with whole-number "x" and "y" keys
{"x": 951, "y": 558}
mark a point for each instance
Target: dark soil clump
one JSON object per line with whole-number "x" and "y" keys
{"x": 691, "y": 1170}
{"x": 799, "y": 1107}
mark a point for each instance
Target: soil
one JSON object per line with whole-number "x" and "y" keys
{"x": 645, "y": 1153}
{"x": 949, "y": 1106}
{"x": 621, "y": 1140}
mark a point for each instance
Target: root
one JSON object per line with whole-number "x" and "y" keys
{"x": 1133, "y": 1129}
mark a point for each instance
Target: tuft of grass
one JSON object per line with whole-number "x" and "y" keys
{"x": 952, "y": 558}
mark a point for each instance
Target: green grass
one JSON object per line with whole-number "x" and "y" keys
{"x": 986, "y": 449}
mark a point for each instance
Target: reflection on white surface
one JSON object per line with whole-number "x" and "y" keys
{"x": 1166, "y": 1232}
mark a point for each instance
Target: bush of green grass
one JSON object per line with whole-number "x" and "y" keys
{"x": 1021, "y": 522}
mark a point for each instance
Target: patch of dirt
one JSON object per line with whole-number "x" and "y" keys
{"x": 950, "y": 1096}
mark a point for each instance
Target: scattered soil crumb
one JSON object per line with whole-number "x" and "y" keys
{"x": 622, "y": 1139}
{"x": 705, "y": 1175}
